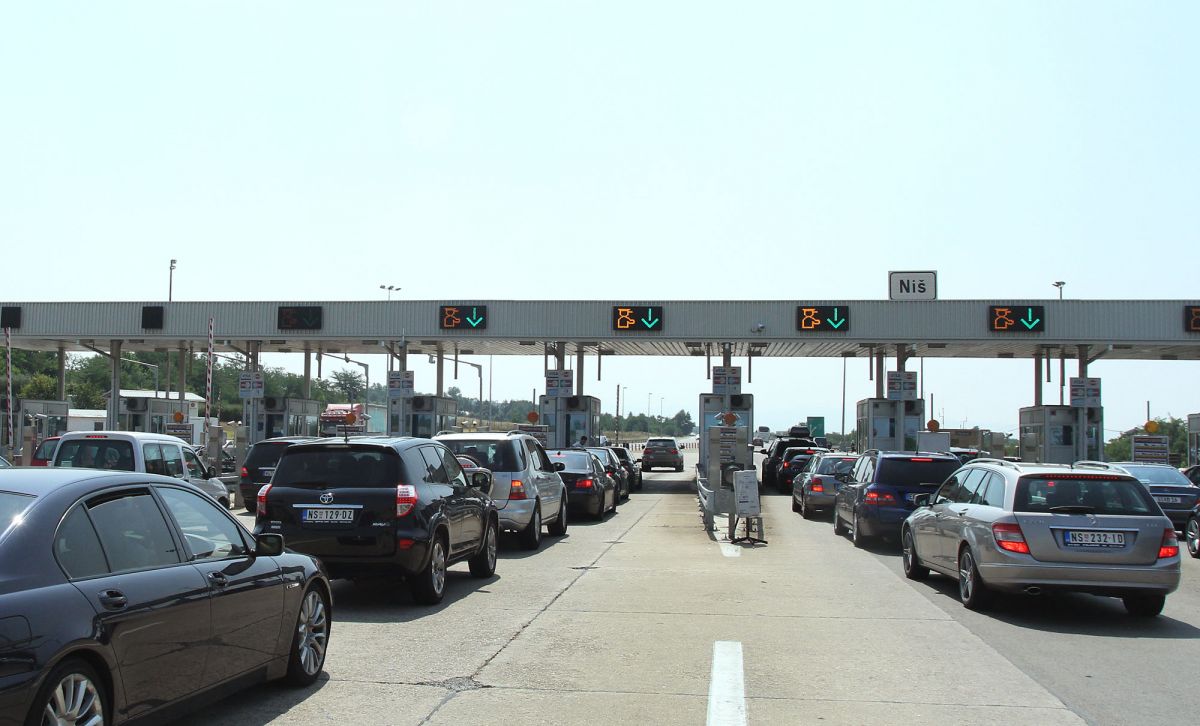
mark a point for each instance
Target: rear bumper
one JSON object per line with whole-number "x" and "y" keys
{"x": 586, "y": 503}
{"x": 882, "y": 521}
{"x": 404, "y": 563}
{"x": 1178, "y": 517}
{"x": 516, "y": 514}
{"x": 1160, "y": 578}
{"x": 819, "y": 500}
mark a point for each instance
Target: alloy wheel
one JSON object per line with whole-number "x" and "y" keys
{"x": 966, "y": 575}
{"x": 314, "y": 633}
{"x": 491, "y": 546}
{"x": 75, "y": 700}
{"x": 437, "y": 567}
{"x": 1192, "y": 535}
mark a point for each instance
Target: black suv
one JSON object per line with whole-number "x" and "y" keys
{"x": 260, "y": 465}
{"x": 631, "y": 467}
{"x": 770, "y": 465}
{"x": 391, "y": 506}
{"x": 877, "y": 495}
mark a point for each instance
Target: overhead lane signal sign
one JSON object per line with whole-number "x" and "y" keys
{"x": 638, "y": 318}
{"x": 1017, "y": 318}
{"x": 462, "y": 317}
{"x": 1191, "y": 318}
{"x": 823, "y": 318}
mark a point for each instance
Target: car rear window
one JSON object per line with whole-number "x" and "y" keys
{"x": 571, "y": 460}
{"x": 660, "y": 444}
{"x": 1102, "y": 495}
{"x": 265, "y": 454}
{"x": 494, "y": 454}
{"x": 343, "y": 466}
{"x": 914, "y": 471}
{"x": 99, "y": 453}
{"x": 621, "y": 454}
{"x": 836, "y": 464}
{"x": 45, "y": 449}
{"x": 1158, "y": 475}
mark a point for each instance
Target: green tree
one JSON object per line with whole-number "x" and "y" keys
{"x": 349, "y": 383}
{"x": 39, "y": 386}
{"x": 85, "y": 394}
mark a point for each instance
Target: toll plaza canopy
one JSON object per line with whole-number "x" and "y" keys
{"x": 996, "y": 328}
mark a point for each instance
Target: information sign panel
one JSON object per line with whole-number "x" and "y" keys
{"x": 560, "y": 383}
{"x": 910, "y": 285}
{"x": 823, "y": 318}
{"x": 462, "y": 317}
{"x": 401, "y": 384}
{"x": 1017, "y": 318}
{"x": 745, "y": 494}
{"x": 1150, "y": 449}
{"x": 816, "y": 426}
{"x": 251, "y": 384}
{"x": 638, "y": 319}
{"x": 1191, "y": 318}
{"x": 901, "y": 386}
{"x": 299, "y": 317}
{"x": 1085, "y": 392}
{"x": 182, "y": 430}
{"x": 726, "y": 380}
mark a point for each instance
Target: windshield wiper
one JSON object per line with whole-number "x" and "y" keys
{"x": 1073, "y": 509}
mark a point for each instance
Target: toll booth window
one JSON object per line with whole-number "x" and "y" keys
{"x": 1062, "y": 435}
{"x": 883, "y": 426}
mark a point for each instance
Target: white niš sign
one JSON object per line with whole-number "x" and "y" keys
{"x": 912, "y": 285}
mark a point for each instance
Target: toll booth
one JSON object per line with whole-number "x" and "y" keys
{"x": 713, "y": 407}
{"x": 428, "y": 415}
{"x": 32, "y": 421}
{"x": 153, "y": 412}
{"x": 1193, "y": 442}
{"x": 569, "y": 417}
{"x": 1052, "y": 434}
{"x": 889, "y": 424}
{"x": 286, "y": 416}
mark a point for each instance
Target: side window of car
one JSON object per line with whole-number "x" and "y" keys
{"x": 967, "y": 485}
{"x": 454, "y": 472}
{"x": 945, "y": 492}
{"x": 993, "y": 491}
{"x": 152, "y": 454}
{"x": 77, "y": 547}
{"x": 132, "y": 530}
{"x": 435, "y": 472}
{"x": 195, "y": 469}
{"x": 173, "y": 459}
{"x": 414, "y": 465}
{"x": 209, "y": 534}
{"x": 866, "y": 472}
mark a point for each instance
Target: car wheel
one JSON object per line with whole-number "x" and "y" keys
{"x": 1144, "y": 606}
{"x": 311, "y": 639}
{"x": 1192, "y": 536}
{"x": 639, "y": 486}
{"x": 73, "y": 693}
{"x": 429, "y": 587}
{"x": 251, "y": 506}
{"x": 971, "y": 590}
{"x": 805, "y": 510}
{"x": 856, "y": 536}
{"x": 679, "y": 468}
{"x": 912, "y": 566}
{"x": 796, "y": 505}
{"x": 616, "y": 498}
{"x": 838, "y": 528}
{"x": 559, "y": 528}
{"x": 531, "y": 536}
{"x": 483, "y": 564}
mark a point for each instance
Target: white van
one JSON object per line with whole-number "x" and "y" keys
{"x": 141, "y": 452}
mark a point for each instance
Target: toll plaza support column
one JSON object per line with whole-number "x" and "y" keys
{"x": 1083, "y": 360}
{"x": 1037, "y": 379}
{"x": 560, "y": 355}
{"x": 62, "y": 373}
{"x": 441, "y": 374}
{"x": 879, "y": 391}
{"x": 901, "y": 356}
{"x": 114, "y": 386}
{"x": 579, "y": 371}
{"x": 726, "y": 359}
{"x": 183, "y": 375}
{"x": 306, "y": 386}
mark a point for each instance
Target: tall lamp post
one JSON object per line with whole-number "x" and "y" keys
{"x": 389, "y": 289}
{"x": 170, "y": 297}
{"x": 1060, "y": 284}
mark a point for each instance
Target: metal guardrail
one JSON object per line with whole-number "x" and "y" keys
{"x": 707, "y": 500}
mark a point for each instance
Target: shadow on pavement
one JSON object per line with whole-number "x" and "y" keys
{"x": 271, "y": 701}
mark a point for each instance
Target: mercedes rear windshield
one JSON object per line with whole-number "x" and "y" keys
{"x": 1087, "y": 494}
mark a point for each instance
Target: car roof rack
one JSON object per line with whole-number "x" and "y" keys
{"x": 992, "y": 460}
{"x": 1086, "y": 464}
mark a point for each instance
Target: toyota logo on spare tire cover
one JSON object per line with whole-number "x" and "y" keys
{"x": 327, "y": 498}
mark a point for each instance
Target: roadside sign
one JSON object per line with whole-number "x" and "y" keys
{"x": 401, "y": 384}
{"x": 183, "y": 431}
{"x": 816, "y": 426}
{"x": 1150, "y": 449}
{"x": 541, "y": 433}
{"x": 902, "y": 385}
{"x": 745, "y": 494}
{"x": 912, "y": 285}
{"x": 1085, "y": 392}
{"x": 726, "y": 380}
{"x": 251, "y": 385}
{"x": 560, "y": 383}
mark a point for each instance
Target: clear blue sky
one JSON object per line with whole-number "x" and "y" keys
{"x": 296, "y": 150}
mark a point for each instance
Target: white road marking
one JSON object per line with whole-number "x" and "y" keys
{"x": 730, "y": 550}
{"x": 727, "y": 688}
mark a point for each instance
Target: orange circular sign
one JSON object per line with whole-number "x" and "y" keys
{"x": 729, "y": 418}
{"x": 932, "y": 425}
{"x": 350, "y": 419}
{"x": 1151, "y": 427}
{"x": 178, "y": 417}
{"x": 532, "y": 417}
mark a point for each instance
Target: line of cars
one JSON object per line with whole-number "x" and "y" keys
{"x": 1001, "y": 526}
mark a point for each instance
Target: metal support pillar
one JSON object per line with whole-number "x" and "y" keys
{"x": 1083, "y": 361}
{"x": 306, "y": 387}
{"x": 579, "y": 371}
{"x": 901, "y": 356}
{"x": 111, "y": 421}
{"x": 441, "y": 374}
{"x": 62, "y": 373}
{"x": 1037, "y": 379}
{"x": 726, "y": 354}
{"x": 182, "y": 372}
{"x": 1062, "y": 375}
{"x": 560, "y": 355}
{"x": 879, "y": 387}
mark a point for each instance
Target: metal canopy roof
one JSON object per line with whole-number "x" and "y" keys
{"x": 1135, "y": 329}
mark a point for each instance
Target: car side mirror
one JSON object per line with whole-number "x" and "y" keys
{"x": 268, "y": 545}
{"x": 482, "y": 480}
{"x": 610, "y": 469}
{"x": 921, "y": 500}
{"x": 637, "y": 461}
{"x": 559, "y": 466}
{"x": 762, "y": 451}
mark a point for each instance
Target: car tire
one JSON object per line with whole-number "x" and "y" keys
{"x": 559, "y": 527}
{"x": 1191, "y": 535}
{"x": 679, "y": 468}
{"x": 805, "y": 510}
{"x": 72, "y": 676}
{"x": 859, "y": 539}
{"x": 639, "y": 486}
{"x": 429, "y": 587}
{"x": 796, "y": 505}
{"x": 1144, "y": 606}
{"x": 974, "y": 594}
{"x": 913, "y": 569}
{"x": 616, "y": 498}
{"x": 838, "y": 528}
{"x": 251, "y": 506}
{"x": 311, "y": 640}
{"x": 483, "y": 564}
{"x": 531, "y": 537}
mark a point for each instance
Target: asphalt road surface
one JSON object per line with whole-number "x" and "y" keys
{"x": 645, "y": 618}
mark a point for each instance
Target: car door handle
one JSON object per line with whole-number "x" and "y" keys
{"x": 960, "y": 512}
{"x": 113, "y": 599}
{"x": 218, "y": 579}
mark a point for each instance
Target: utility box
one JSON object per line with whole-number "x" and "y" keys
{"x": 718, "y": 411}
{"x": 1061, "y": 434}
{"x": 888, "y": 424}
{"x": 567, "y": 418}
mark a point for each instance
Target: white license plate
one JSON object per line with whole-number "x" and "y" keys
{"x": 1077, "y": 538}
{"x": 1169, "y": 500}
{"x": 328, "y": 515}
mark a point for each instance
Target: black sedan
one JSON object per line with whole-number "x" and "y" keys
{"x": 125, "y": 595}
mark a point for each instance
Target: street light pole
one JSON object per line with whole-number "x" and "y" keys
{"x": 1060, "y": 284}
{"x": 389, "y": 289}
{"x": 171, "y": 282}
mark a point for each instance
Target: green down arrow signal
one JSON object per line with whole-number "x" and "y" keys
{"x": 1029, "y": 321}
{"x": 836, "y": 321}
{"x": 650, "y": 323}
{"x": 475, "y": 318}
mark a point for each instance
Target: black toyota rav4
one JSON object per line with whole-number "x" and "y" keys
{"x": 382, "y": 506}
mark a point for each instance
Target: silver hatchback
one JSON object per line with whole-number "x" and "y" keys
{"x": 1001, "y": 526}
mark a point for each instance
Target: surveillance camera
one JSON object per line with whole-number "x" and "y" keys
{"x": 759, "y": 327}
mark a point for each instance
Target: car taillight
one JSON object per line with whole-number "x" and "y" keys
{"x": 880, "y": 498}
{"x": 406, "y": 499}
{"x": 674, "y": 451}
{"x": 817, "y": 485}
{"x": 787, "y": 465}
{"x": 1170, "y": 545}
{"x": 516, "y": 490}
{"x": 245, "y": 473}
{"x": 1010, "y": 537}
{"x": 584, "y": 484}
{"x": 261, "y": 509}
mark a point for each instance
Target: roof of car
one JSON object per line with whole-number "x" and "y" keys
{"x": 357, "y": 440}
{"x": 897, "y": 454}
{"x": 478, "y": 435}
{"x": 40, "y": 480}
{"x": 135, "y": 435}
{"x": 1035, "y": 467}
